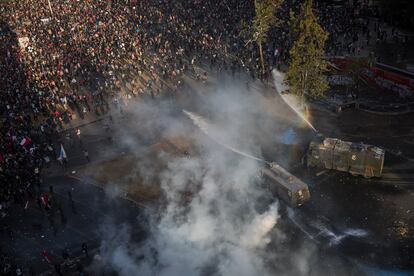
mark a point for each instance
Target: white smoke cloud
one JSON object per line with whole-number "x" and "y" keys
{"x": 214, "y": 221}
{"x": 256, "y": 233}
{"x": 219, "y": 229}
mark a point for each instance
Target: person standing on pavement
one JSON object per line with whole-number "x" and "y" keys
{"x": 85, "y": 249}
{"x": 39, "y": 202}
{"x": 19, "y": 271}
{"x": 72, "y": 203}
{"x": 65, "y": 163}
{"x": 86, "y": 154}
{"x": 58, "y": 269}
{"x": 78, "y": 133}
{"x": 85, "y": 102}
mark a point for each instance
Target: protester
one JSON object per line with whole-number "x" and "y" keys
{"x": 71, "y": 59}
{"x": 85, "y": 249}
{"x": 86, "y": 154}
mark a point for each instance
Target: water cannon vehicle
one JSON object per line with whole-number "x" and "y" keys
{"x": 285, "y": 185}
{"x": 355, "y": 158}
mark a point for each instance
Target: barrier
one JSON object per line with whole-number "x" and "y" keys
{"x": 380, "y": 76}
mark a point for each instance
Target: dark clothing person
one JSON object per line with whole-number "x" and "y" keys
{"x": 85, "y": 249}
{"x": 58, "y": 269}
{"x": 86, "y": 153}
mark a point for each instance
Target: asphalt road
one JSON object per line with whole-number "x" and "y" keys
{"x": 92, "y": 208}
{"x": 374, "y": 210}
{"x": 367, "y": 221}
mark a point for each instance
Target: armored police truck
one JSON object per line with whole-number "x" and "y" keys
{"x": 285, "y": 185}
{"x": 355, "y": 158}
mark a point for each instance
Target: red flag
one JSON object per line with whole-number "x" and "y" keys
{"x": 46, "y": 256}
{"x": 25, "y": 142}
{"x": 45, "y": 199}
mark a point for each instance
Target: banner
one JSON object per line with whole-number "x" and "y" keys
{"x": 384, "y": 79}
{"x": 340, "y": 80}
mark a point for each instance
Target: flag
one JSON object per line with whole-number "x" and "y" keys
{"x": 25, "y": 142}
{"x": 45, "y": 199}
{"x": 46, "y": 256}
{"x": 62, "y": 154}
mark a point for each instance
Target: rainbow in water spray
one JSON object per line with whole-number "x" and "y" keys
{"x": 291, "y": 100}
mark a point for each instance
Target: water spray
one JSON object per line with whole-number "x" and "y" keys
{"x": 290, "y": 100}
{"x": 206, "y": 127}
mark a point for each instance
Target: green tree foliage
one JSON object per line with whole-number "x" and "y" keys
{"x": 264, "y": 19}
{"x": 293, "y": 24}
{"x": 307, "y": 65}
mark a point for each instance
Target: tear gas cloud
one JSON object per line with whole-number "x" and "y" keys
{"x": 216, "y": 219}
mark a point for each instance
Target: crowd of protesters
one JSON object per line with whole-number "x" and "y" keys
{"x": 63, "y": 60}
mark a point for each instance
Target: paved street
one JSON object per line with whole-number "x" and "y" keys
{"x": 173, "y": 138}
{"x": 332, "y": 210}
{"x": 91, "y": 210}
{"x": 381, "y": 208}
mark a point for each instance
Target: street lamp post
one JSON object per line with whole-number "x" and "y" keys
{"x": 50, "y": 7}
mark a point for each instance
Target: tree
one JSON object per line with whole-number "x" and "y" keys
{"x": 264, "y": 19}
{"x": 307, "y": 65}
